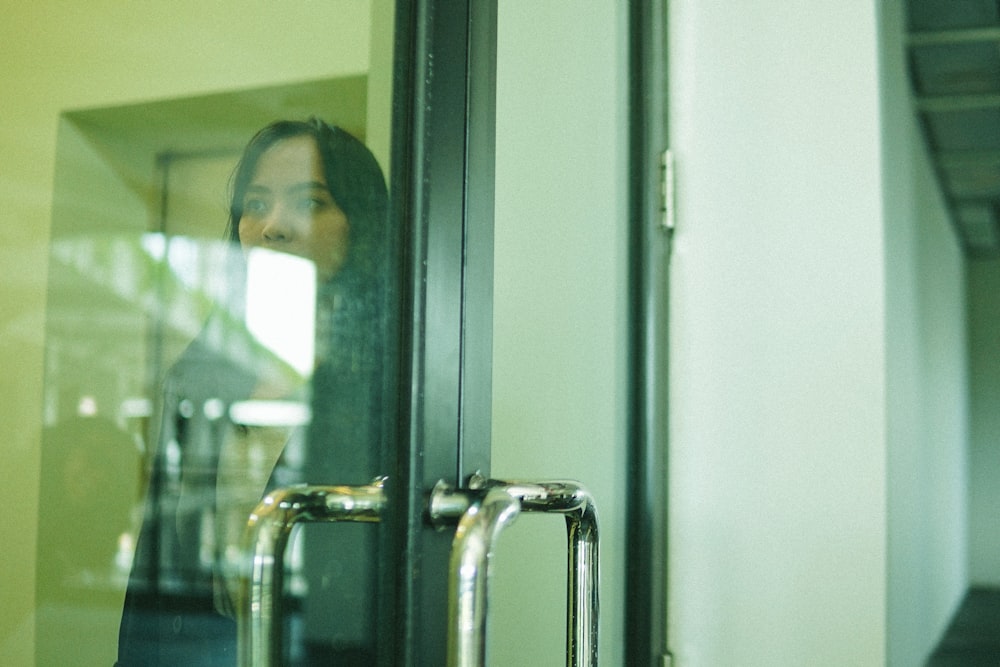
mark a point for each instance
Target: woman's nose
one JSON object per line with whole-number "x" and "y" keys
{"x": 278, "y": 225}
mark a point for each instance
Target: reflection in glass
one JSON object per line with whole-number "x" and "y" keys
{"x": 281, "y": 386}
{"x": 188, "y": 375}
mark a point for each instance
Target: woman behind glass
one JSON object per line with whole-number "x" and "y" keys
{"x": 310, "y": 190}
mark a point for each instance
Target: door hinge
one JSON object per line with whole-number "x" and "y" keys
{"x": 668, "y": 212}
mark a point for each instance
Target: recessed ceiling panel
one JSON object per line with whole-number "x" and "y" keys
{"x": 964, "y": 130}
{"x": 956, "y": 69}
{"x": 947, "y": 14}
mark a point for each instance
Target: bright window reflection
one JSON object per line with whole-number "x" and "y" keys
{"x": 270, "y": 413}
{"x": 281, "y": 306}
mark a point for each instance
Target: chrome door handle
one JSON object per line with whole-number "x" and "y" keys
{"x": 485, "y": 509}
{"x": 468, "y": 574}
{"x": 583, "y": 599}
{"x": 259, "y": 613}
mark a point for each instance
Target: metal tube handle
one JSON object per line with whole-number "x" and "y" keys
{"x": 486, "y": 509}
{"x": 259, "y": 610}
{"x": 583, "y": 600}
{"x": 472, "y": 551}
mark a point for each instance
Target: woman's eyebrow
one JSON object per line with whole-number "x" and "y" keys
{"x": 308, "y": 185}
{"x": 295, "y": 187}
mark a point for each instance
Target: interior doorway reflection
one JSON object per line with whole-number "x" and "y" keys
{"x": 164, "y": 339}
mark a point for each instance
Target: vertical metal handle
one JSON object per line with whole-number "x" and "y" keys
{"x": 483, "y": 517}
{"x": 472, "y": 550}
{"x": 583, "y": 599}
{"x": 259, "y": 611}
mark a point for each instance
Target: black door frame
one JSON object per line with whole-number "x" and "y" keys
{"x": 442, "y": 189}
{"x": 650, "y": 226}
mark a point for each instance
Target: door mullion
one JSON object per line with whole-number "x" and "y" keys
{"x": 477, "y": 286}
{"x": 432, "y": 176}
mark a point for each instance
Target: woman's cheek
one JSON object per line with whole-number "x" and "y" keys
{"x": 330, "y": 248}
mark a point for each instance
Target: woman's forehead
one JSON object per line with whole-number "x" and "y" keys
{"x": 293, "y": 162}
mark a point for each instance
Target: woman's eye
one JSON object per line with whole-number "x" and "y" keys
{"x": 254, "y": 206}
{"x": 309, "y": 204}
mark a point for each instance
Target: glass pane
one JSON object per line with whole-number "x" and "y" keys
{"x": 561, "y": 260}
{"x": 219, "y": 311}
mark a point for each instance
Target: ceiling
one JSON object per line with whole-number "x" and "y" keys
{"x": 954, "y": 54}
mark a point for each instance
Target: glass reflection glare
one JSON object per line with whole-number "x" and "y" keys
{"x": 281, "y": 305}
{"x": 270, "y": 413}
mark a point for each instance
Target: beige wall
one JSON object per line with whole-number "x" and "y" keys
{"x": 59, "y": 57}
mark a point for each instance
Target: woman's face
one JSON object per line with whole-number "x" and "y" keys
{"x": 288, "y": 207}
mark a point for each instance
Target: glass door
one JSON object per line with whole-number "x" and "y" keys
{"x": 278, "y": 286}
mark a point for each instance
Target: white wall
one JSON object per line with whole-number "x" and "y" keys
{"x": 796, "y": 341}
{"x": 927, "y": 379}
{"x": 984, "y": 457}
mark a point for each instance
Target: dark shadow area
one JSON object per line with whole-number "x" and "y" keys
{"x": 973, "y": 636}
